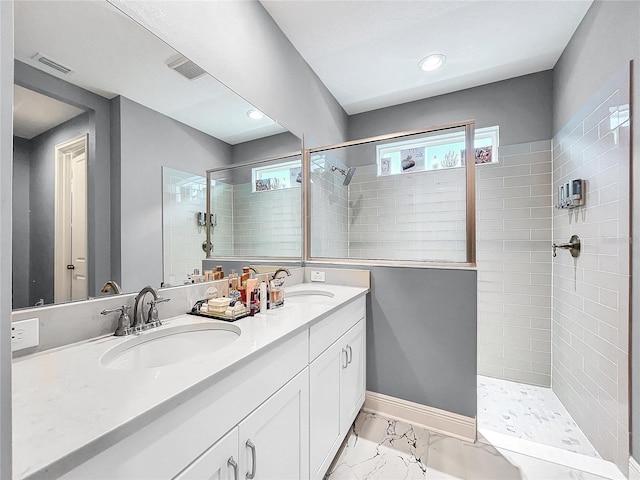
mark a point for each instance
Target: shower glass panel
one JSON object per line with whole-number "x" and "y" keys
{"x": 393, "y": 198}
{"x": 255, "y": 209}
{"x": 183, "y": 202}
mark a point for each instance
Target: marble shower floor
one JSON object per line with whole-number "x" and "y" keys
{"x": 530, "y": 413}
{"x": 385, "y": 449}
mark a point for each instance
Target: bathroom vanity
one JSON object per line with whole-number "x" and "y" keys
{"x": 275, "y": 403}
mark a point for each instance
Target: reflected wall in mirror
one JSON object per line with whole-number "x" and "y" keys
{"x": 258, "y": 208}
{"x": 141, "y": 106}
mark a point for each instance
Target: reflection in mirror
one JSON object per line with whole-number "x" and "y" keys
{"x": 183, "y": 220}
{"x": 50, "y": 217}
{"x": 141, "y": 106}
{"x": 256, "y": 209}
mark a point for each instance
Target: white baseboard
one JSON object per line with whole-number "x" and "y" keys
{"x": 634, "y": 469}
{"x": 434, "y": 419}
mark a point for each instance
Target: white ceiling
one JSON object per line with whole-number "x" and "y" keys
{"x": 367, "y": 52}
{"x": 112, "y": 55}
{"x": 34, "y": 113}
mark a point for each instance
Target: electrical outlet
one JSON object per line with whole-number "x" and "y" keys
{"x": 25, "y": 334}
{"x": 317, "y": 276}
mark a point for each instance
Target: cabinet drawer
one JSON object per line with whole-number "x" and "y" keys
{"x": 327, "y": 331}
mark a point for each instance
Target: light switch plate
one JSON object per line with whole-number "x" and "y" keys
{"x": 317, "y": 276}
{"x": 25, "y": 334}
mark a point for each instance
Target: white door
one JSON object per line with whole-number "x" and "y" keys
{"x": 71, "y": 268}
{"x": 219, "y": 462}
{"x": 274, "y": 439}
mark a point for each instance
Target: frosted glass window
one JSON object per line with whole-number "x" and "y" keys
{"x": 445, "y": 150}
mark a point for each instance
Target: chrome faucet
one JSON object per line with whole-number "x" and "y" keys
{"x": 111, "y": 286}
{"x": 152, "y": 320}
{"x": 281, "y": 269}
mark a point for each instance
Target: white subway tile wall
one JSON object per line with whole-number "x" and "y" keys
{"x": 267, "y": 223}
{"x": 591, "y": 293}
{"x": 222, "y": 226}
{"x": 514, "y": 264}
{"x": 412, "y": 216}
{"x": 184, "y": 195}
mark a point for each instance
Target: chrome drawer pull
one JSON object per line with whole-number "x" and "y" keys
{"x": 232, "y": 463}
{"x": 252, "y": 473}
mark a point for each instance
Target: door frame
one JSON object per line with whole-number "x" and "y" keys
{"x": 61, "y": 280}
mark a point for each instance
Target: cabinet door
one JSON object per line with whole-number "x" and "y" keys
{"x": 352, "y": 383}
{"x": 324, "y": 407}
{"x": 274, "y": 439}
{"x": 219, "y": 462}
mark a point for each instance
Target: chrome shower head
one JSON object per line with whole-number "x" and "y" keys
{"x": 348, "y": 174}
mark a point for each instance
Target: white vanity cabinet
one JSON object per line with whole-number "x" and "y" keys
{"x": 282, "y": 415}
{"x": 336, "y": 385}
{"x": 274, "y": 440}
{"x": 271, "y": 443}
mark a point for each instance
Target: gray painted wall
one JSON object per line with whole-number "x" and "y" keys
{"x": 20, "y": 232}
{"x": 42, "y": 204}
{"x": 116, "y": 191}
{"x": 149, "y": 141}
{"x": 521, "y": 106}
{"x": 6, "y": 161}
{"x": 228, "y": 39}
{"x": 98, "y": 189}
{"x": 424, "y": 349}
{"x": 281, "y": 144}
{"x": 605, "y": 41}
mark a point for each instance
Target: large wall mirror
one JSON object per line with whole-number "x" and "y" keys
{"x": 101, "y": 107}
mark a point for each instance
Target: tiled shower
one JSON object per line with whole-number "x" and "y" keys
{"x": 555, "y": 323}
{"x": 562, "y": 322}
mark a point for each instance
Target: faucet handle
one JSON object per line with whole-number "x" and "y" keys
{"x": 124, "y": 322}
{"x": 123, "y": 309}
{"x": 153, "y": 317}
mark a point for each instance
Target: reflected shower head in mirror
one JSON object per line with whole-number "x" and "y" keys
{"x": 348, "y": 174}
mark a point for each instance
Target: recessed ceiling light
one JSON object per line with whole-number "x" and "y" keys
{"x": 431, "y": 62}
{"x": 255, "y": 114}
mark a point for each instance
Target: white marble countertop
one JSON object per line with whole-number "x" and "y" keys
{"x": 66, "y": 404}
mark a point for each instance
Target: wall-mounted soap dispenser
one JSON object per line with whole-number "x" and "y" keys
{"x": 571, "y": 194}
{"x": 201, "y": 218}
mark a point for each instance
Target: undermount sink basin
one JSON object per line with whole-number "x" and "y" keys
{"x": 301, "y": 293}
{"x": 298, "y": 296}
{"x": 169, "y": 346}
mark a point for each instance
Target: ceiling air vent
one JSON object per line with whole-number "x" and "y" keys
{"x": 187, "y": 68}
{"x": 49, "y": 62}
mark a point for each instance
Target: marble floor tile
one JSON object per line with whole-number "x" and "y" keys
{"x": 529, "y": 412}
{"x": 386, "y": 449}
